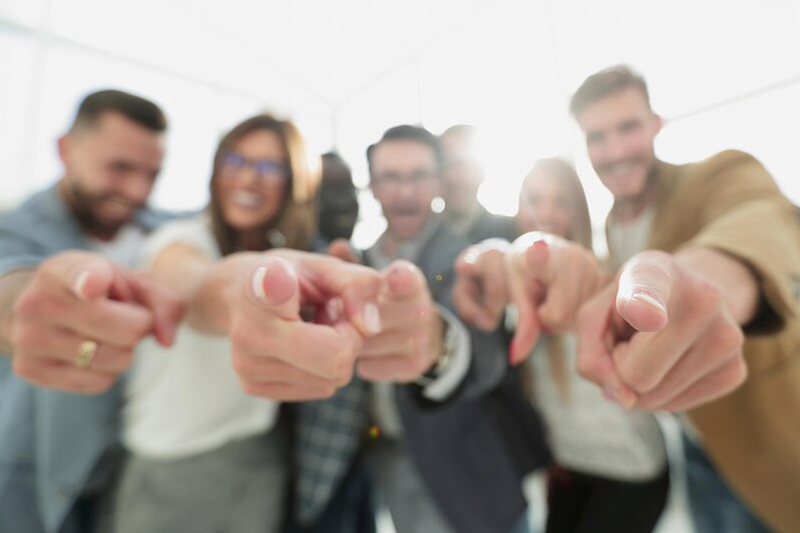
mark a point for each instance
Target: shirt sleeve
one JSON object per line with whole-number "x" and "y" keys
{"x": 17, "y": 251}
{"x": 456, "y": 370}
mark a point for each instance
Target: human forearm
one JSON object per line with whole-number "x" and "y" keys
{"x": 213, "y": 291}
{"x": 737, "y": 283}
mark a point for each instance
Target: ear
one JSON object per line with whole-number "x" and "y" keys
{"x": 64, "y": 145}
{"x": 659, "y": 122}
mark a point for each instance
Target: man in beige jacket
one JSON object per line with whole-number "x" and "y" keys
{"x": 724, "y": 221}
{"x": 701, "y": 316}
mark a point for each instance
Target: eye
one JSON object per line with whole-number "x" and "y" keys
{"x": 232, "y": 160}
{"x": 629, "y": 126}
{"x": 594, "y": 137}
{"x": 120, "y": 167}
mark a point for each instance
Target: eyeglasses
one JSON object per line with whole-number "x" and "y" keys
{"x": 266, "y": 171}
{"x": 394, "y": 180}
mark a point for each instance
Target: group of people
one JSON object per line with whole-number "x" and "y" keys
{"x": 245, "y": 369}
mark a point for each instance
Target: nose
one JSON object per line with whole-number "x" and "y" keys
{"x": 616, "y": 149}
{"x": 137, "y": 189}
{"x": 406, "y": 189}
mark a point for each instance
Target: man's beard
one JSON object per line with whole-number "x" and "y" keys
{"x": 85, "y": 207}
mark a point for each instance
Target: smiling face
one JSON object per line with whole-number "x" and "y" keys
{"x": 620, "y": 130}
{"x": 405, "y": 180}
{"x": 544, "y": 205}
{"x": 110, "y": 169}
{"x": 251, "y": 181}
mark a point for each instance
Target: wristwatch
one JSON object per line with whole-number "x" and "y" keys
{"x": 443, "y": 362}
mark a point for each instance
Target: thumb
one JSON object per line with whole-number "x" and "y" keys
{"x": 404, "y": 281}
{"x": 87, "y": 276}
{"x": 643, "y": 292}
{"x": 274, "y": 286}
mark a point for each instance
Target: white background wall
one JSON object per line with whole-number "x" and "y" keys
{"x": 347, "y": 70}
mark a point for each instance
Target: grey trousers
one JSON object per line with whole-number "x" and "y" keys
{"x": 239, "y": 488}
{"x": 404, "y": 493}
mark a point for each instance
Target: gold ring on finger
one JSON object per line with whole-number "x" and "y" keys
{"x": 86, "y": 353}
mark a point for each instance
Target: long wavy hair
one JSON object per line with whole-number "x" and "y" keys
{"x": 293, "y": 226}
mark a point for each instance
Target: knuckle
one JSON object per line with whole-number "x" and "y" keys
{"x": 726, "y": 338}
{"x": 704, "y": 298}
{"x": 31, "y": 305}
{"x": 345, "y": 377}
{"x": 648, "y": 403}
{"x": 251, "y": 388}
{"x": 740, "y": 371}
{"x": 585, "y": 365}
{"x": 25, "y": 367}
{"x": 24, "y": 337}
{"x": 327, "y": 392}
{"x": 637, "y": 377}
{"x": 242, "y": 364}
{"x": 121, "y": 360}
{"x": 242, "y": 339}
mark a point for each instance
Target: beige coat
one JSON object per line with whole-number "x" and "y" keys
{"x": 730, "y": 203}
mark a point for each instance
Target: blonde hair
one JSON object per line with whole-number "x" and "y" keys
{"x": 580, "y": 232}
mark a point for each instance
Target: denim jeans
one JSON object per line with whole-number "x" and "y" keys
{"x": 713, "y": 505}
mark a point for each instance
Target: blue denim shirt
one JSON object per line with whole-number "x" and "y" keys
{"x": 50, "y": 441}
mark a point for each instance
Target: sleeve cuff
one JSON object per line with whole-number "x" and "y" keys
{"x": 461, "y": 352}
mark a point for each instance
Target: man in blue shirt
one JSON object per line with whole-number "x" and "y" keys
{"x": 72, "y": 318}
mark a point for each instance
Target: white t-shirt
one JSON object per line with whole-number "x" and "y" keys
{"x": 625, "y": 241}
{"x": 124, "y": 250}
{"x": 589, "y": 433}
{"x": 187, "y": 399}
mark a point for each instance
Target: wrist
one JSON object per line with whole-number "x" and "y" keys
{"x": 444, "y": 347}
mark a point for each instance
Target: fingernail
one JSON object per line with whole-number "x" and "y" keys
{"x": 258, "y": 283}
{"x": 649, "y": 299}
{"x": 372, "y": 317}
{"x": 332, "y": 309}
{"x": 80, "y": 284}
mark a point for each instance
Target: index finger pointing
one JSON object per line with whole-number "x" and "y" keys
{"x": 645, "y": 285}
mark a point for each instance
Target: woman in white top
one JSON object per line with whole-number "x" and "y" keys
{"x": 611, "y": 467}
{"x": 204, "y": 455}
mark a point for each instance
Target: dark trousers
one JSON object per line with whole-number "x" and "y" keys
{"x": 580, "y": 503}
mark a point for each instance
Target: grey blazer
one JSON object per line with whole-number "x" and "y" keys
{"x": 471, "y": 459}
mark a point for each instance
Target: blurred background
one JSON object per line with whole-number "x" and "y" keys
{"x": 724, "y": 74}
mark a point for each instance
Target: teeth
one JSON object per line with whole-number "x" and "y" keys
{"x": 246, "y": 199}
